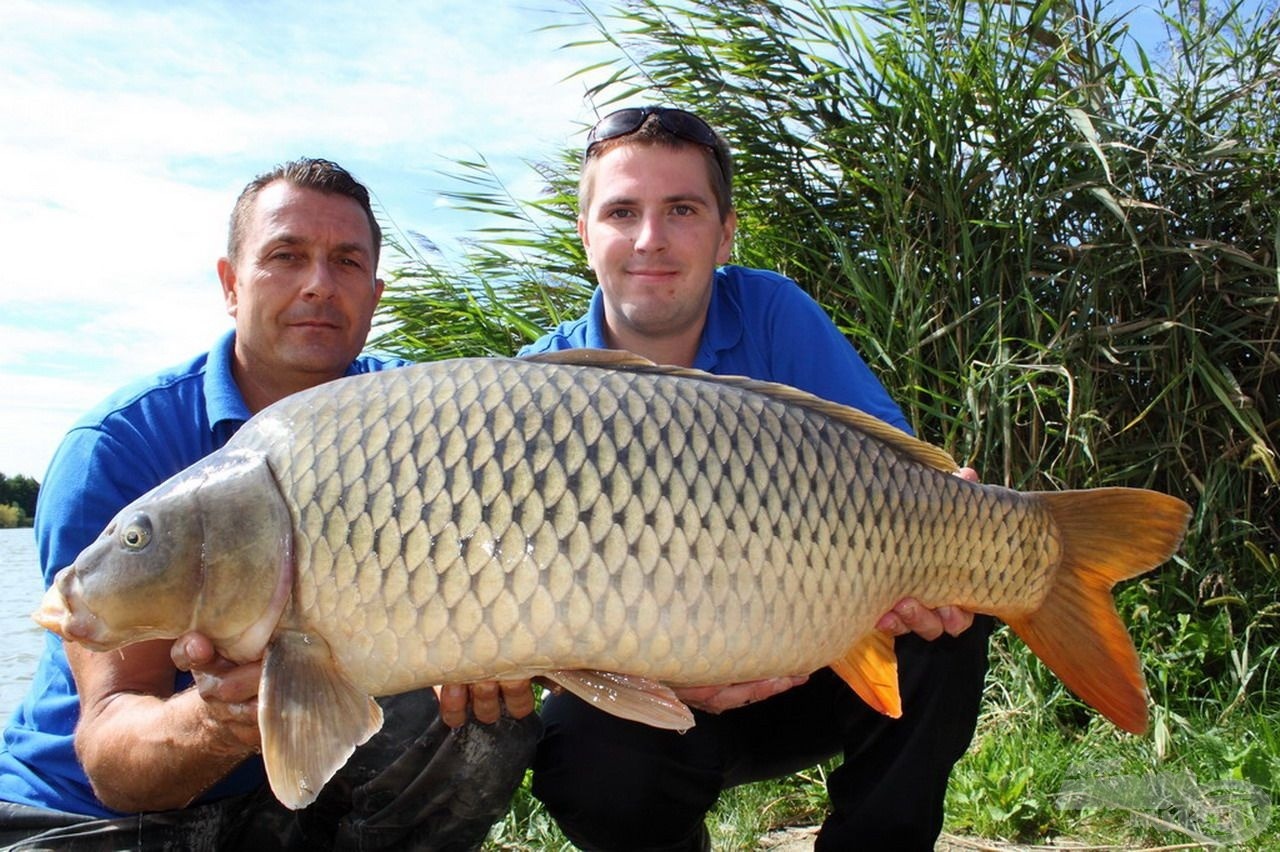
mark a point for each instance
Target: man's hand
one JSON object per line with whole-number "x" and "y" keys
{"x": 145, "y": 747}
{"x": 911, "y": 616}
{"x": 229, "y": 690}
{"x": 717, "y": 699}
{"x": 485, "y": 699}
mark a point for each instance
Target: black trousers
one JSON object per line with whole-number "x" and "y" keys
{"x": 617, "y": 785}
{"x": 415, "y": 785}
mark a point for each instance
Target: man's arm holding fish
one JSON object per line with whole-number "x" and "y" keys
{"x": 145, "y": 747}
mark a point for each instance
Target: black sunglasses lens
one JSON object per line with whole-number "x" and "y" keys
{"x": 687, "y": 126}
{"x": 618, "y": 123}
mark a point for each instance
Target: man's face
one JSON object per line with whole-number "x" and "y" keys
{"x": 654, "y": 238}
{"x": 304, "y": 288}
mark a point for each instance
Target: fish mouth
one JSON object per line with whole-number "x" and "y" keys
{"x": 59, "y": 614}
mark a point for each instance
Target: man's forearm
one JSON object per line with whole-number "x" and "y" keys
{"x": 145, "y": 753}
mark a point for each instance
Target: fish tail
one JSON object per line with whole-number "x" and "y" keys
{"x": 1107, "y": 535}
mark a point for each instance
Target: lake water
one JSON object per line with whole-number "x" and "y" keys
{"x": 21, "y": 639}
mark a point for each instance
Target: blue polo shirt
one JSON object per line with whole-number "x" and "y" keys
{"x": 131, "y": 442}
{"x": 762, "y": 325}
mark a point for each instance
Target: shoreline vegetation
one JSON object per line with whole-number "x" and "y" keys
{"x": 17, "y": 501}
{"x": 1056, "y": 245}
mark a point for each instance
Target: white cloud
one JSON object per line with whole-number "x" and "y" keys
{"x": 131, "y": 126}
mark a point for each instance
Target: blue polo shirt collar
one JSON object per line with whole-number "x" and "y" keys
{"x": 723, "y": 330}
{"x": 224, "y": 404}
{"x": 595, "y": 321}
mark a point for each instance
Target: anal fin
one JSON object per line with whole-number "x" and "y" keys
{"x": 627, "y": 696}
{"x": 311, "y": 716}
{"x": 870, "y": 667}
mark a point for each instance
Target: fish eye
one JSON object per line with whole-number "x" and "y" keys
{"x": 136, "y": 534}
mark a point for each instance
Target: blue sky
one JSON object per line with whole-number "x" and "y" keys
{"x": 130, "y": 127}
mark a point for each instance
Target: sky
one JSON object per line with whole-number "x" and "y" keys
{"x": 130, "y": 127}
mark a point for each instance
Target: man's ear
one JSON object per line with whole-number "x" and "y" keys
{"x": 727, "y": 229}
{"x": 227, "y": 275}
{"x": 582, "y": 235}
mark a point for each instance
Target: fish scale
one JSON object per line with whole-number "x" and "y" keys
{"x": 617, "y": 527}
{"x": 503, "y": 428}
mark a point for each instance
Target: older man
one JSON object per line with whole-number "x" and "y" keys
{"x": 122, "y": 747}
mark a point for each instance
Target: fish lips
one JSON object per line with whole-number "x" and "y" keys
{"x": 62, "y": 612}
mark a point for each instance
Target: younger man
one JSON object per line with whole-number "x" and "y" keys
{"x": 657, "y": 220}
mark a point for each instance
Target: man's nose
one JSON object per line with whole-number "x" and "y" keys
{"x": 651, "y": 235}
{"x": 320, "y": 282}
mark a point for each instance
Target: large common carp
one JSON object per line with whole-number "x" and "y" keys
{"x": 589, "y": 513}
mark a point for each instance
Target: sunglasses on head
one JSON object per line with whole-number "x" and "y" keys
{"x": 679, "y": 123}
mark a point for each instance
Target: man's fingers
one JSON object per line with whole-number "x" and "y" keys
{"x": 517, "y": 695}
{"x": 454, "y": 698}
{"x": 913, "y": 617}
{"x": 717, "y": 699}
{"x": 192, "y": 650}
{"x": 486, "y": 701}
{"x": 954, "y": 619}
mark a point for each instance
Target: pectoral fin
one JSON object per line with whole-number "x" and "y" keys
{"x": 311, "y": 716}
{"x": 871, "y": 668}
{"x": 628, "y": 696}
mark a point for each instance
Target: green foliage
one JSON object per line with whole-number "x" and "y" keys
{"x": 526, "y": 827}
{"x": 20, "y": 492}
{"x": 11, "y": 516}
{"x": 1060, "y": 254}
{"x": 522, "y": 274}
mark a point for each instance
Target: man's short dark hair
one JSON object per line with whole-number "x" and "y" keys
{"x": 306, "y": 173}
{"x": 651, "y": 132}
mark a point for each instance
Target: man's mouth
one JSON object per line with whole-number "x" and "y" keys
{"x": 313, "y": 323}
{"x": 652, "y": 273}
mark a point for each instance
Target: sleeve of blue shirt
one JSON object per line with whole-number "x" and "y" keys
{"x": 94, "y": 473}
{"x": 805, "y": 349}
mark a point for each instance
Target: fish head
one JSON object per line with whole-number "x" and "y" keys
{"x": 207, "y": 550}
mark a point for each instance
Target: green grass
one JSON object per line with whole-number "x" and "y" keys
{"x": 1043, "y": 768}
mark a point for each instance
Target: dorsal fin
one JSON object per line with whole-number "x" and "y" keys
{"x": 617, "y": 359}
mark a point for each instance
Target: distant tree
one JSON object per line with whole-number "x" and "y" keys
{"x": 20, "y": 491}
{"x": 11, "y": 516}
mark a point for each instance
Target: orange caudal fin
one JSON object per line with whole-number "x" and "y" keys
{"x": 1108, "y": 535}
{"x": 871, "y": 668}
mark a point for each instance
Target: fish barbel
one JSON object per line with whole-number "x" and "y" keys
{"x": 615, "y": 526}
